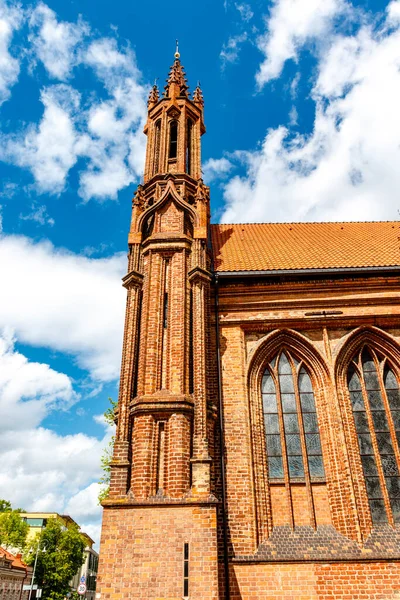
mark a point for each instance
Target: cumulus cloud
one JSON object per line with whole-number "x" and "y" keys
{"x": 48, "y": 149}
{"x": 216, "y": 168}
{"x": 76, "y": 303}
{"x": 11, "y": 16}
{"x": 99, "y": 130}
{"x": 290, "y": 25}
{"x": 347, "y": 167}
{"x": 42, "y": 470}
{"x": 28, "y": 390}
{"x": 114, "y": 144}
{"x": 393, "y": 11}
{"x": 55, "y": 43}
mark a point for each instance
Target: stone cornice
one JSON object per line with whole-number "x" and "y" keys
{"x": 167, "y": 241}
{"x": 160, "y": 402}
{"x": 132, "y": 279}
{"x": 199, "y": 273}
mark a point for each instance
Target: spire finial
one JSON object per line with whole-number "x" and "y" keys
{"x": 198, "y": 95}
{"x": 177, "y": 55}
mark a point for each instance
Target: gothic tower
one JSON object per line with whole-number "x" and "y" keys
{"x": 160, "y": 516}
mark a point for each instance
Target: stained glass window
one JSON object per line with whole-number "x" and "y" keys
{"x": 290, "y": 418}
{"x": 375, "y": 399}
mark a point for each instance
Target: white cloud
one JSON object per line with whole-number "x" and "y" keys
{"x": 115, "y": 147}
{"x": 230, "y": 50}
{"x": 42, "y": 470}
{"x": 245, "y": 11}
{"x": 83, "y": 506}
{"x": 28, "y": 390}
{"x": 39, "y": 215}
{"x": 347, "y": 168}
{"x": 48, "y": 149}
{"x": 393, "y": 11}
{"x": 216, "y": 168}
{"x": 100, "y": 130}
{"x": 55, "y": 43}
{"x": 290, "y": 25}
{"x": 293, "y": 116}
{"x": 76, "y": 303}
{"x": 11, "y": 16}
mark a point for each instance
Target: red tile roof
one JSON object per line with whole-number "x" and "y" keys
{"x": 17, "y": 562}
{"x": 296, "y": 246}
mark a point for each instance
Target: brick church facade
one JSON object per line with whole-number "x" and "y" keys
{"x": 257, "y": 450}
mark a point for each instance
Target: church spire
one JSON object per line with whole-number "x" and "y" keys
{"x": 176, "y": 82}
{"x": 174, "y": 127}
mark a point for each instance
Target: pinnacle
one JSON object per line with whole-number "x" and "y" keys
{"x": 153, "y": 96}
{"x": 198, "y": 95}
{"x": 177, "y": 75}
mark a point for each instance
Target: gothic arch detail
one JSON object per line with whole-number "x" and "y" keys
{"x": 371, "y": 420}
{"x": 272, "y": 345}
{"x": 170, "y": 193}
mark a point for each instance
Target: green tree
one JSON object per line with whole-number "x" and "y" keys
{"x": 106, "y": 457}
{"x": 59, "y": 556}
{"x": 13, "y": 530}
{"x": 5, "y": 506}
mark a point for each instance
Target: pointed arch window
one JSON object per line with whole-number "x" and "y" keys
{"x": 291, "y": 424}
{"x": 173, "y": 139}
{"x": 375, "y": 399}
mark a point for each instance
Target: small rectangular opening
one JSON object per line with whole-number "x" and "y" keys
{"x": 165, "y": 312}
{"x": 186, "y": 570}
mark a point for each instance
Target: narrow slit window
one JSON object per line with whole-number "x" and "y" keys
{"x": 161, "y": 458}
{"x": 165, "y": 315}
{"x": 290, "y": 418}
{"x": 186, "y": 570}
{"x": 173, "y": 139}
{"x": 157, "y": 144}
{"x": 375, "y": 400}
{"x": 189, "y": 147}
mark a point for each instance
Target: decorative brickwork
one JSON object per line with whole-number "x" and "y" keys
{"x": 195, "y": 509}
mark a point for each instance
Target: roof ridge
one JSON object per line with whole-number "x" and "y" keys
{"x": 305, "y": 223}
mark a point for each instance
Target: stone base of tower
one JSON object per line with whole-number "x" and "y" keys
{"x": 142, "y": 552}
{"x": 316, "y": 581}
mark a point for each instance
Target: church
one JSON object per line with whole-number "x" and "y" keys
{"x": 257, "y": 449}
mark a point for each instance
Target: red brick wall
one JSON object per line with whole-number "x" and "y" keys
{"x": 308, "y": 581}
{"x": 141, "y": 553}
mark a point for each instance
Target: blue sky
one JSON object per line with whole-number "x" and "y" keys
{"x": 301, "y": 110}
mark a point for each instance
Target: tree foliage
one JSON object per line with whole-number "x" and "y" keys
{"x": 5, "y": 506}
{"x": 13, "y": 530}
{"x": 60, "y": 555}
{"x": 106, "y": 457}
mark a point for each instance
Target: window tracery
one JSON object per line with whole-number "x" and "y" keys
{"x": 290, "y": 418}
{"x": 375, "y": 399}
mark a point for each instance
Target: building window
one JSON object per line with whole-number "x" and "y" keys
{"x": 186, "y": 570}
{"x": 291, "y": 425}
{"x": 157, "y": 144}
{"x": 375, "y": 399}
{"x": 189, "y": 146}
{"x": 173, "y": 139}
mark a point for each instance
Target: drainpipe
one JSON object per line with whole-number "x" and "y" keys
{"x": 222, "y": 445}
{"x": 22, "y": 584}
